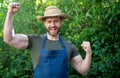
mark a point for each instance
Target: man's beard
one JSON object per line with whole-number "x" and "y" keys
{"x": 48, "y": 30}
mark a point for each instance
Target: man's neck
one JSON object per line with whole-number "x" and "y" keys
{"x": 53, "y": 38}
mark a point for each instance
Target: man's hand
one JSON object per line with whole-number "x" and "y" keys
{"x": 87, "y": 48}
{"x": 13, "y": 7}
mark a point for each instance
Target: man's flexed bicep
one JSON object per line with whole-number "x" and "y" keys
{"x": 19, "y": 41}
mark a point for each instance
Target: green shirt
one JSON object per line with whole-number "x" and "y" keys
{"x": 35, "y": 43}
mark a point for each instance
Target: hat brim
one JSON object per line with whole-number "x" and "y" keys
{"x": 41, "y": 18}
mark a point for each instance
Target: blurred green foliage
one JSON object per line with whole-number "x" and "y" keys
{"x": 96, "y": 21}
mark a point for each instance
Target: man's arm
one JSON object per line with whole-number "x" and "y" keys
{"x": 80, "y": 64}
{"x": 19, "y": 41}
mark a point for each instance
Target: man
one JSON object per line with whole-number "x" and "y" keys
{"x": 50, "y": 52}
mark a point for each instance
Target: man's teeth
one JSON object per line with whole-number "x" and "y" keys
{"x": 53, "y": 28}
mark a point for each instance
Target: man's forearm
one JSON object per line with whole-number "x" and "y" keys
{"x": 8, "y": 27}
{"x": 85, "y": 65}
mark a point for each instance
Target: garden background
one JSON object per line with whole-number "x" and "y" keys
{"x": 97, "y": 21}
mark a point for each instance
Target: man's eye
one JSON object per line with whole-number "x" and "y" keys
{"x": 49, "y": 21}
{"x": 56, "y": 21}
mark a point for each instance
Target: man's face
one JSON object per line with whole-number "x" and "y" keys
{"x": 53, "y": 25}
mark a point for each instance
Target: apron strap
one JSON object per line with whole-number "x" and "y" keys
{"x": 44, "y": 41}
{"x": 63, "y": 46}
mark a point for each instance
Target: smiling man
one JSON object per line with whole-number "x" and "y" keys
{"x": 53, "y": 26}
{"x": 50, "y": 52}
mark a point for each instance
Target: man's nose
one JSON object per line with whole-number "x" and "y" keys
{"x": 52, "y": 24}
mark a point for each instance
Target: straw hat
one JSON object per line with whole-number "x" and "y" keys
{"x": 52, "y": 11}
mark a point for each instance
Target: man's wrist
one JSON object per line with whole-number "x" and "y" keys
{"x": 89, "y": 54}
{"x": 10, "y": 12}
{"x": 10, "y": 15}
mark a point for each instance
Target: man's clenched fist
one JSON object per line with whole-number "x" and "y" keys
{"x": 13, "y": 7}
{"x": 86, "y": 46}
